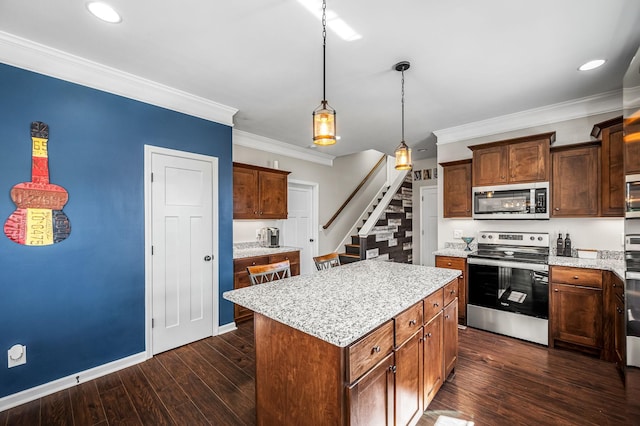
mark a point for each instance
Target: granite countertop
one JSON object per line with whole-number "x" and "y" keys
{"x": 453, "y": 252}
{"x": 340, "y": 305}
{"x": 251, "y": 249}
{"x": 614, "y": 265}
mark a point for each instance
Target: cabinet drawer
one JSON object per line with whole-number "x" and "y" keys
{"x": 433, "y": 304}
{"x": 240, "y": 265}
{"x": 291, "y": 256}
{"x": 577, "y": 276}
{"x": 368, "y": 351}
{"x": 450, "y": 262}
{"x": 408, "y": 322}
{"x": 450, "y": 291}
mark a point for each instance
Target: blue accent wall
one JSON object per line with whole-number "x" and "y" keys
{"x": 80, "y": 303}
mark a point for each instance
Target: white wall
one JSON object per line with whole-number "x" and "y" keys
{"x": 596, "y": 233}
{"x": 426, "y": 164}
{"x": 335, "y": 184}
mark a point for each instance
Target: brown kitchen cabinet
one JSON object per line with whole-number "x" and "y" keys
{"x": 614, "y": 319}
{"x": 371, "y": 397}
{"x": 575, "y": 185}
{"x": 576, "y": 309}
{"x": 259, "y": 192}
{"x": 241, "y": 276}
{"x": 632, "y": 144}
{"x": 409, "y": 360}
{"x": 518, "y": 160}
{"x": 433, "y": 359}
{"x": 450, "y": 328}
{"x": 612, "y": 167}
{"x": 460, "y": 264}
{"x": 456, "y": 178}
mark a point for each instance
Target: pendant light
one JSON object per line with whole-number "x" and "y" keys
{"x": 324, "y": 117}
{"x": 403, "y": 152}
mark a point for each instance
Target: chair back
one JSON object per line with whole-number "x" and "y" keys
{"x": 327, "y": 261}
{"x": 260, "y": 274}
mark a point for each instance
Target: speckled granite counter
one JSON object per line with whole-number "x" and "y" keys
{"x": 340, "y": 305}
{"x": 242, "y": 250}
{"x": 613, "y": 265}
{"x": 452, "y": 252}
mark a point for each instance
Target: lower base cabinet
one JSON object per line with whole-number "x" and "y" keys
{"x": 387, "y": 377}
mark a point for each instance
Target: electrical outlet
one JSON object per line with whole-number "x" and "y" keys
{"x": 17, "y": 355}
{"x": 457, "y": 233}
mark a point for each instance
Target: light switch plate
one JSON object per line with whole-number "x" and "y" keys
{"x": 457, "y": 233}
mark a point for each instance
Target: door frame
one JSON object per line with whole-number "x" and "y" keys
{"x": 315, "y": 206}
{"x": 148, "y": 261}
{"x": 423, "y": 189}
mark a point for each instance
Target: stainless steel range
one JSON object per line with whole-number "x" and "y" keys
{"x": 632, "y": 292}
{"x": 509, "y": 285}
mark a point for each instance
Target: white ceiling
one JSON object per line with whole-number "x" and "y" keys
{"x": 470, "y": 59}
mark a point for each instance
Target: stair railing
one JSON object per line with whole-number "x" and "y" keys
{"x": 355, "y": 191}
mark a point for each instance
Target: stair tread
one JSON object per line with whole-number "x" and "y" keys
{"x": 353, "y": 245}
{"x": 349, "y": 255}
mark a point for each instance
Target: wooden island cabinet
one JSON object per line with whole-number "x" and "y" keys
{"x": 460, "y": 264}
{"x": 385, "y": 377}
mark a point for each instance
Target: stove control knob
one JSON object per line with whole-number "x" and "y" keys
{"x": 539, "y": 238}
{"x": 532, "y": 238}
{"x": 490, "y": 237}
{"x": 484, "y": 236}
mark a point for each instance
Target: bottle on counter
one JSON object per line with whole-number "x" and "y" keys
{"x": 567, "y": 246}
{"x": 560, "y": 245}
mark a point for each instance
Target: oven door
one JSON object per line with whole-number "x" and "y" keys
{"x": 632, "y": 294}
{"x": 510, "y": 298}
{"x": 516, "y": 287}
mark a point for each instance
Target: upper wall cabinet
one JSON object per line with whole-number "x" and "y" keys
{"x": 456, "y": 178}
{"x": 518, "y": 160}
{"x": 575, "y": 186}
{"x": 632, "y": 144}
{"x": 612, "y": 167}
{"x": 259, "y": 192}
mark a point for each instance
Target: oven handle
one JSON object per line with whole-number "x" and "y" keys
{"x": 507, "y": 264}
{"x": 631, "y": 275}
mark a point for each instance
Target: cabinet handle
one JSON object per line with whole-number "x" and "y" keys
{"x": 446, "y": 317}
{"x": 412, "y": 322}
{"x": 501, "y": 177}
{"x": 253, "y": 264}
{"x": 260, "y": 212}
{"x": 255, "y": 212}
{"x": 448, "y": 263}
{"x": 619, "y": 310}
{"x": 461, "y": 277}
{"x": 375, "y": 349}
{"x": 435, "y": 305}
{"x": 555, "y": 289}
{"x": 575, "y": 277}
{"x": 557, "y": 209}
{"x": 392, "y": 368}
{"x": 428, "y": 334}
{"x": 453, "y": 291}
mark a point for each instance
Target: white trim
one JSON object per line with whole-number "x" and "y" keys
{"x": 46, "y": 60}
{"x": 71, "y": 380}
{"x": 226, "y": 328}
{"x": 148, "y": 261}
{"x": 250, "y": 140}
{"x": 591, "y": 105}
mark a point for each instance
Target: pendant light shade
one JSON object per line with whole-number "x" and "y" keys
{"x": 324, "y": 125}
{"x": 403, "y": 157}
{"x": 324, "y": 117}
{"x": 403, "y": 152}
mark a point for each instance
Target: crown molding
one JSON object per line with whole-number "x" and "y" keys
{"x": 261, "y": 143}
{"x": 591, "y": 105}
{"x": 32, "y": 56}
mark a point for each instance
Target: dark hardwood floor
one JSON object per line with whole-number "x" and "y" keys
{"x": 498, "y": 381}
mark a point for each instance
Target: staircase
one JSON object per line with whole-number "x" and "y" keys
{"x": 391, "y": 233}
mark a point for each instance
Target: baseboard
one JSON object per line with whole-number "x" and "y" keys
{"x": 69, "y": 381}
{"x": 227, "y": 328}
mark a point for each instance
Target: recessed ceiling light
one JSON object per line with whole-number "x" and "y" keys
{"x": 592, "y": 65}
{"x": 104, "y": 12}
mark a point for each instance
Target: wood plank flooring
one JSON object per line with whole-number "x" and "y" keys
{"x": 498, "y": 381}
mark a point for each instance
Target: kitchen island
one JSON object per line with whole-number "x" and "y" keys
{"x": 363, "y": 343}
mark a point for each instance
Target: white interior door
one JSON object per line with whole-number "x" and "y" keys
{"x": 429, "y": 224}
{"x": 298, "y": 228}
{"x": 184, "y": 285}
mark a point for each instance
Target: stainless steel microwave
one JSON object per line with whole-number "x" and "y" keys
{"x": 518, "y": 201}
{"x": 632, "y": 196}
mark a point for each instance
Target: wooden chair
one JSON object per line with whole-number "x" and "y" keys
{"x": 260, "y": 274}
{"x": 327, "y": 261}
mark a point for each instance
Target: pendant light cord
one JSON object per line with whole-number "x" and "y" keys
{"x": 402, "y": 102}
{"x": 324, "y": 51}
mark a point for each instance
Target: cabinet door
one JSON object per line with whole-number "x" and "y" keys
{"x": 408, "y": 387}
{"x": 450, "y": 337}
{"x": 245, "y": 195}
{"x": 370, "y": 399}
{"x": 490, "y": 166}
{"x": 460, "y": 264}
{"x": 457, "y": 190}
{"x": 620, "y": 335}
{"x": 272, "y": 188}
{"x": 632, "y": 145}
{"x": 576, "y": 315}
{"x": 575, "y": 187}
{"x": 433, "y": 364}
{"x": 529, "y": 161}
{"x": 613, "y": 186}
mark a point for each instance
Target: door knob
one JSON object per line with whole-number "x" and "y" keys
{"x": 207, "y": 258}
